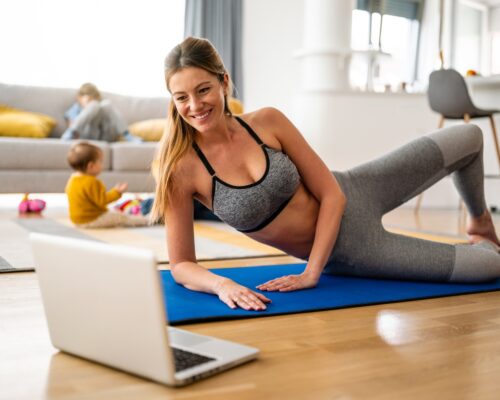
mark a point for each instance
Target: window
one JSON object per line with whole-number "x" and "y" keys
{"x": 469, "y": 45}
{"x": 495, "y": 53}
{"x": 385, "y": 40}
{"x": 495, "y": 40}
{"x": 119, "y": 45}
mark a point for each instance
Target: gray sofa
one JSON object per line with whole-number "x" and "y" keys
{"x": 39, "y": 165}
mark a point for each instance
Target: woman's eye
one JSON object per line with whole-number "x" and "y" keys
{"x": 204, "y": 90}
{"x": 181, "y": 98}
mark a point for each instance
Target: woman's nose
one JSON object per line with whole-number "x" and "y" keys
{"x": 195, "y": 104}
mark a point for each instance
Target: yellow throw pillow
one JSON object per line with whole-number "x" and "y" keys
{"x": 19, "y": 123}
{"x": 235, "y": 106}
{"x": 150, "y": 130}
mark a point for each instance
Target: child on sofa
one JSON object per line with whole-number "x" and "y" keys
{"x": 87, "y": 196}
{"x": 93, "y": 118}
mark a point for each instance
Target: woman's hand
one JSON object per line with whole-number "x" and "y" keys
{"x": 235, "y": 295}
{"x": 289, "y": 283}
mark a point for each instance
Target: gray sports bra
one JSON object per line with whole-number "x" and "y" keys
{"x": 250, "y": 208}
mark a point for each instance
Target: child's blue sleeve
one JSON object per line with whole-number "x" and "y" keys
{"x": 73, "y": 111}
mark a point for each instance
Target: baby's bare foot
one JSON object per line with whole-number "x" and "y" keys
{"x": 481, "y": 228}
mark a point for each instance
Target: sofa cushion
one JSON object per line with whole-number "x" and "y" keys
{"x": 19, "y": 123}
{"x": 24, "y": 153}
{"x": 150, "y": 130}
{"x": 133, "y": 108}
{"x": 131, "y": 156}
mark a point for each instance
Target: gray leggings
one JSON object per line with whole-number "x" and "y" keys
{"x": 364, "y": 248}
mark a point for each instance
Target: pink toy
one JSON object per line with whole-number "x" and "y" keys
{"x": 28, "y": 205}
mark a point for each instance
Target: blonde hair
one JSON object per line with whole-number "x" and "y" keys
{"x": 91, "y": 90}
{"x": 81, "y": 154}
{"x": 179, "y": 135}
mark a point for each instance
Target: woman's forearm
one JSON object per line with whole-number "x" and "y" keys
{"x": 327, "y": 229}
{"x": 196, "y": 277}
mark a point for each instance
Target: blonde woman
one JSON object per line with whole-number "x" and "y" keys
{"x": 258, "y": 174}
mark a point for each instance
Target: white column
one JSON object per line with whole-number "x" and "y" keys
{"x": 325, "y": 59}
{"x": 326, "y": 45}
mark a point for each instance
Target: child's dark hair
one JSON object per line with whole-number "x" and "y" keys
{"x": 81, "y": 154}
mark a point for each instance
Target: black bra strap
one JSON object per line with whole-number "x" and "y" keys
{"x": 204, "y": 160}
{"x": 250, "y": 131}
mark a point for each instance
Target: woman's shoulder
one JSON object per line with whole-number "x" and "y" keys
{"x": 185, "y": 166}
{"x": 268, "y": 120}
{"x": 264, "y": 115}
{"x": 187, "y": 170}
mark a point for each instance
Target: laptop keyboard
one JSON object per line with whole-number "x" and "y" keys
{"x": 185, "y": 359}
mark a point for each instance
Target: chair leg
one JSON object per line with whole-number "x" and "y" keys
{"x": 495, "y": 137}
{"x": 419, "y": 202}
{"x": 466, "y": 118}
{"x": 462, "y": 215}
{"x": 441, "y": 122}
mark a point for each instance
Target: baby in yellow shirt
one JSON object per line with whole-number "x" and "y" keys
{"x": 87, "y": 195}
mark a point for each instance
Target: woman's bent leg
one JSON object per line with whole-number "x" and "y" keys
{"x": 364, "y": 248}
{"x": 391, "y": 256}
{"x": 463, "y": 156}
{"x": 462, "y": 150}
{"x": 395, "y": 178}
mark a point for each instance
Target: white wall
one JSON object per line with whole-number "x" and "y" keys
{"x": 361, "y": 126}
{"x": 495, "y": 18}
{"x": 119, "y": 45}
{"x": 272, "y": 31}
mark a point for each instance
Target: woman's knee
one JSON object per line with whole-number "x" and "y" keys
{"x": 475, "y": 263}
{"x": 472, "y": 136}
{"x": 457, "y": 142}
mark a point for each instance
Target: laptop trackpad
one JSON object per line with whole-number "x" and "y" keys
{"x": 184, "y": 338}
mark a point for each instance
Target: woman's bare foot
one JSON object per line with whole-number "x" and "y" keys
{"x": 481, "y": 228}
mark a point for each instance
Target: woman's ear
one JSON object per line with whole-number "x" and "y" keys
{"x": 225, "y": 84}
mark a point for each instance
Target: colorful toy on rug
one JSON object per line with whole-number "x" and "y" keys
{"x": 28, "y": 205}
{"x": 131, "y": 206}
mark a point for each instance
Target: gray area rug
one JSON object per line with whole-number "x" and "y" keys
{"x": 214, "y": 241}
{"x": 15, "y": 250}
{"x": 51, "y": 227}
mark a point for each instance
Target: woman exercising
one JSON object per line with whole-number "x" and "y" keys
{"x": 258, "y": 174}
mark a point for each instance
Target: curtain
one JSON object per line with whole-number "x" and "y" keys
{"x": 411, "y": 9}
{"x": 219, "y": 21}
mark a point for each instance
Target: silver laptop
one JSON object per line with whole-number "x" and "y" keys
{"x": 105, "y": 303}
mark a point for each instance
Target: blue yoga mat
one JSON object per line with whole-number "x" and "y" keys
{"x": 186, "y": 306}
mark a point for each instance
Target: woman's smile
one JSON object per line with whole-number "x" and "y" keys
{"x": 200, "y": 117}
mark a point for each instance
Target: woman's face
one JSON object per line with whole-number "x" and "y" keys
{"x": 199, "y": 97}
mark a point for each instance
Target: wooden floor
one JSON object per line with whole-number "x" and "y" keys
{"x": 445, "y": 348}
